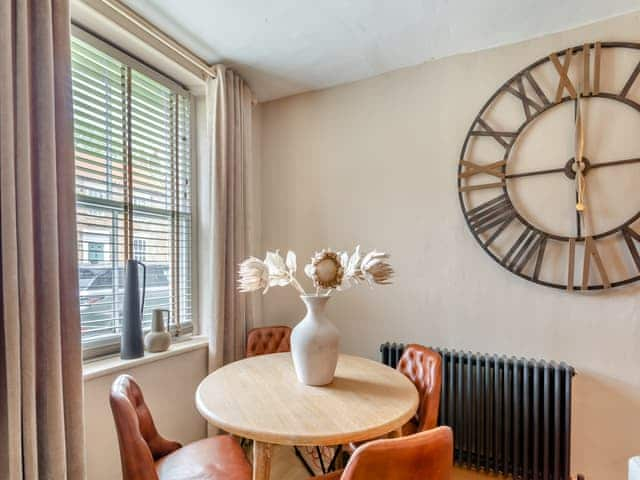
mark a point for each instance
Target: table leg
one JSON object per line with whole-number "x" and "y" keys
{"x": 261, "y": 460}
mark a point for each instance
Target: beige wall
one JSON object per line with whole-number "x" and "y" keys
{"x": 375, "y": 162}
{"x": 169, "y": 387}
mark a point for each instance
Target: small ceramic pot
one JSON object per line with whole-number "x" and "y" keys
{"x": 158, "y": 339}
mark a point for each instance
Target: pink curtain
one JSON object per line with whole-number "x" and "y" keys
{"x": 41, "y": 424}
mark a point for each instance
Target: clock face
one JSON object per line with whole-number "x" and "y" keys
{"x": 549, "y": 173}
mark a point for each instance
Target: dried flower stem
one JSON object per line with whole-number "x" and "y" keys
{"x": 297, "y": 285}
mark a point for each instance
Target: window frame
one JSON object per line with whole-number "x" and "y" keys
{"x": 110, "y": 344}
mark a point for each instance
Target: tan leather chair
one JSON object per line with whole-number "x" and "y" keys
{"x": 146, "y": 455}
{"x": 423, "y": 367}
{"x": 263, "y": 340}
{"x": 425, "y": 455}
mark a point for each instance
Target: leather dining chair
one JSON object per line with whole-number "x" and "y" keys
{"x": 423, "y": 367}
{"x": 264, "y": 340}
{"x": 425, "y": 455}
{"x": 146, "y": 455}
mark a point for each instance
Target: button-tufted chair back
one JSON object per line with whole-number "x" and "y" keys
{"x": 140, "y": 442}
{"x": 265, "y": 340}
{"x": 426, "y": 455}
{"x": 423, "y": 367}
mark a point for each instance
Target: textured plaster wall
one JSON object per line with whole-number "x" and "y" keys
{"x": 374, "y": 162}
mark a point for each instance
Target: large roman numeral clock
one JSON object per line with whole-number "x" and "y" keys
{"x": 549, "y": 173}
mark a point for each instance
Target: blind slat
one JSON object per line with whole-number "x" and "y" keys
{"x": 158, "y": 152}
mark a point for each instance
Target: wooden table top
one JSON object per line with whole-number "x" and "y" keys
{"x": 260, "y": 398}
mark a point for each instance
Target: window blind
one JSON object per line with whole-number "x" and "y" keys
{"x": 133, "y": 185}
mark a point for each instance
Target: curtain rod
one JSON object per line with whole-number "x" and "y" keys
{"x": 142, "y": 23}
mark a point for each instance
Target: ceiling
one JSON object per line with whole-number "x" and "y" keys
{"x": 284, "y": 47}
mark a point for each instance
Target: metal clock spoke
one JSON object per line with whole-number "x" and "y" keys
{"x": 535, "y": 172}
{"x": 613, "y": 163}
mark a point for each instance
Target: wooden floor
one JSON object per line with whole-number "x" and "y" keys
{"x": 286, "y": 466}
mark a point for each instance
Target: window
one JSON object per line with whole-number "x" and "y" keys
{"x": 95, "y": 251}
{"x": 139, "y": 249}
{"x": 132, "y": 155}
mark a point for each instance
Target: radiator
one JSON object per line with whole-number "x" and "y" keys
{"x": 509, "y": 416}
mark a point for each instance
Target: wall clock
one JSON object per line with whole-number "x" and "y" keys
{"x": 549, "y": 172}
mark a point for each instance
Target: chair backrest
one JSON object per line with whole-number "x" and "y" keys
{"x": 423, "y": 367}
{"x": 140, "y": 442}
{"x": 425, "y": 455}
{"x": 263, "y": 340}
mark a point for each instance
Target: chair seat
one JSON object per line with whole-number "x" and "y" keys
{"x": 216, "y": 458}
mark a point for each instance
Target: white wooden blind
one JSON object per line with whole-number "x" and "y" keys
{"x": 133, "y": 184}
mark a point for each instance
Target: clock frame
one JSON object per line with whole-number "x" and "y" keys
{"x": 488, "y": 220}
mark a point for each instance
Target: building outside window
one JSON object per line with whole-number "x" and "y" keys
{"x": 95, "y": 252}
{"x": 139, "y": 249}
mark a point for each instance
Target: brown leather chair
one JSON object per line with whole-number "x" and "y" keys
{"x": 423, "y": 367}
{"x": 425, "y": 455}
{"x": 263, "y": 340}
{"x": 146, "y": 455}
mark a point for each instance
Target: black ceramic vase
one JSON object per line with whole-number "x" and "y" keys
{"x": 131, "y": 342}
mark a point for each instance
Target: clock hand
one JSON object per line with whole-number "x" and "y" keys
{"x": 615, "y": 162}
{"x": 578, "y": 219}
{"x": 562, "y": 169}
{"x": 579, "y": 150}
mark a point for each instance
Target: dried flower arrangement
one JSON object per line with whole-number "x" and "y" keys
{"x": 329, "y": 270}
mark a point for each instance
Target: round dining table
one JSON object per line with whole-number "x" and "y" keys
{"x": 260, "y": 398}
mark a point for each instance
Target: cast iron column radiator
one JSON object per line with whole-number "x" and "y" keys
{"x": 509, "y": 416}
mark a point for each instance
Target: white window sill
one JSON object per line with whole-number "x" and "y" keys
{"x": 105, "y": 366}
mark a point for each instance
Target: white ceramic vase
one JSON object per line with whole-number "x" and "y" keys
{"x": 314, "y": 343}
{"x": 158, "y": 339}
